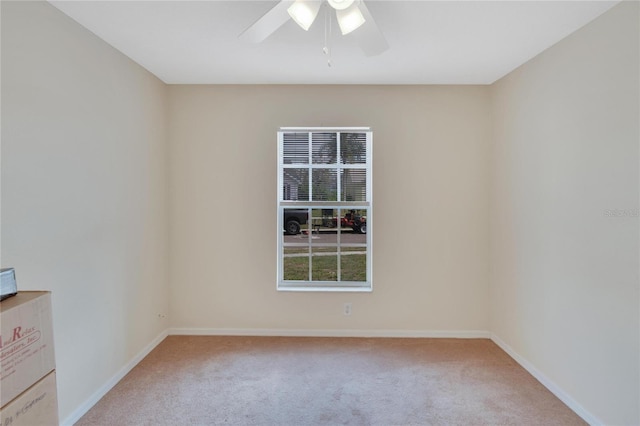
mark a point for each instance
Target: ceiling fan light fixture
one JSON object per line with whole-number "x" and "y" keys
{"x": 340, "y": 4}
{"x": 350, "y": 19}
{"x": 304, "y": 12}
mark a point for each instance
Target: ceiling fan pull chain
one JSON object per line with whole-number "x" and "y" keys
{"x": 330, "y": 37}
{"x": 327, "y": 35}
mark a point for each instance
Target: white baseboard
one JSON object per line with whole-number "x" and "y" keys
{"x": 457, "y": 334}
{"x": 102, "y": 391}
{"x": 548, "y": 383}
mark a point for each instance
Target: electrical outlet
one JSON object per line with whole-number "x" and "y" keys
{"x": 347, "y": 309}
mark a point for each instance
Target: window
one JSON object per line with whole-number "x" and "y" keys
{"x": 324, "y": 209}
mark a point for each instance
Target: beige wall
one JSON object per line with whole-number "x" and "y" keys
{"x": 564, "y": 282}
{"x": 84, "y": 192}
{"x": 430, "y": 233}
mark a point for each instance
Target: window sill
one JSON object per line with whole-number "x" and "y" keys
{"x": 325, "y": 289}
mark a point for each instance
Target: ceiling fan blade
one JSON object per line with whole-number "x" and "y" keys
{"x": 369, "y": 36}
{"x": 268, "y": 23}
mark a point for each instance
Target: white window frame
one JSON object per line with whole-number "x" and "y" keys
{"x": 308, "y": 285}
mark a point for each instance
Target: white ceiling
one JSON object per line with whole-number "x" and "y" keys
{"x": 432, "y": 42}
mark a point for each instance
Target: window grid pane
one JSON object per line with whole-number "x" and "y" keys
{"x": 324, "y": 265}
{"x": 353, "y": 148}
{"x": 353, "y": 266}
{"x": 324, "y": 148}
{"x": 353, "y": 184}
{"x": 324, "y": 184}
{"x": 295, "y": 184}
{"x": 295, "y": 148}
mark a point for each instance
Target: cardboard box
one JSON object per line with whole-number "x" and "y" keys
{"x": 37, "y": 406}
{"x": 26, "y": 342}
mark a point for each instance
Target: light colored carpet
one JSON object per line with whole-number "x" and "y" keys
{"x": 204, "y": 380}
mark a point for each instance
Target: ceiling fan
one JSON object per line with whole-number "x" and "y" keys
{"x": 352, "y": 15}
